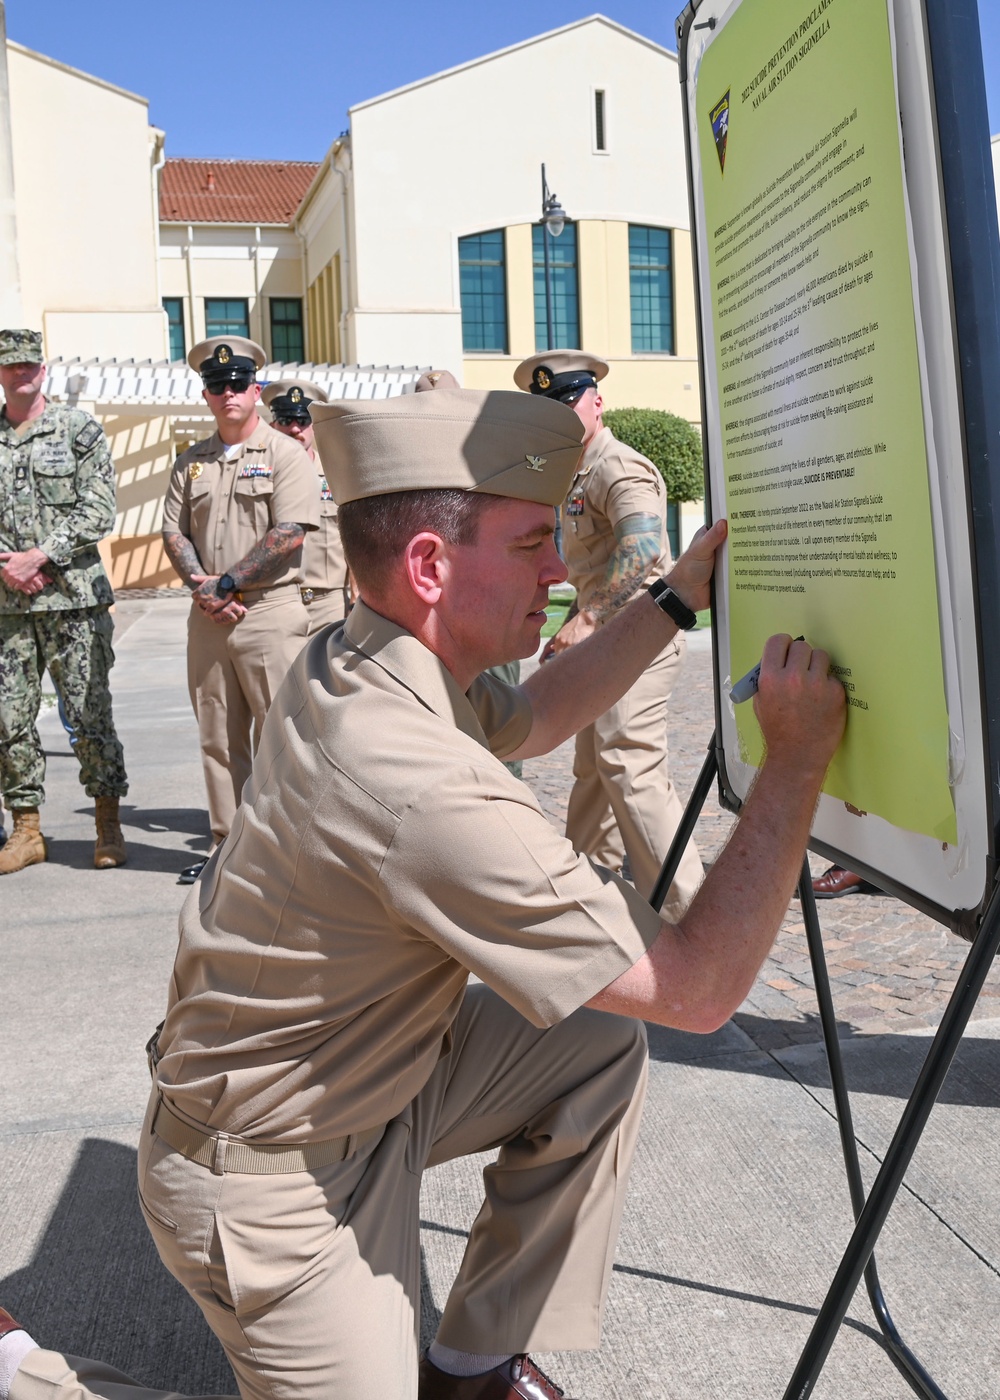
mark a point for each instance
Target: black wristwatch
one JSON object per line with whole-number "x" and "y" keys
{"x": 226, "y": 584}
{"x": 668, "y": 601}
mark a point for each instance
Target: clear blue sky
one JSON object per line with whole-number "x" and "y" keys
{"x": 275, "y": 81}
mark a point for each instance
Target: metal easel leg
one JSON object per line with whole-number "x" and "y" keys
{"x": 685, "y": 831}
{"x": 904, "y": 1143}
{"x": 910, "y": 1366}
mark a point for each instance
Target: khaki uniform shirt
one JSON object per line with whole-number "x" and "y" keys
{"x": 324, "y": 564}
{"x": 225, "y": 505}
{"x": 612, "y": 482}
{"x": 57, "y": 494}
{"x": 382, "y": 853}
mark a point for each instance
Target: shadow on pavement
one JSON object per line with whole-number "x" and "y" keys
{"x": 96, "y": 1286}
{"x": 79, "y": 855}
{"x": 191, "y": 822}
{"x": 882, "y": 1065}
{"x": 696, "y": 1286}
{"x": 185, "y": 821}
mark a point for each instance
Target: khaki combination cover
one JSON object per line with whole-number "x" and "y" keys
{"x": 497, "y": 442}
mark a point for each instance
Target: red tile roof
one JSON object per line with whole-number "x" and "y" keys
{"x": 233, "y": 191}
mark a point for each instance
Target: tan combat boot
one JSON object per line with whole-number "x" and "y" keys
{"x": 109, "y": 849}
{"x": 25, "y": 845}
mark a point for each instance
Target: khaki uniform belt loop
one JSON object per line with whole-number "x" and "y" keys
{"x": 222, "y": 1153}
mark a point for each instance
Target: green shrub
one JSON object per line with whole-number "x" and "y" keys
{"x": 672, "y": 444}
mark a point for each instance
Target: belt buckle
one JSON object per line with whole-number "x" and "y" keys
{"x": 307, "y": 595}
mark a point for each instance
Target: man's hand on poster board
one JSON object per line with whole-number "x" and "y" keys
{"x": 691, "y": 576}
{"x": 800, "y": 707}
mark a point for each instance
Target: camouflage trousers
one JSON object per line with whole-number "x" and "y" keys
{"x": 75, "y": 646}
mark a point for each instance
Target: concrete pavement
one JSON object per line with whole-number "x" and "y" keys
{"x": 738, "y": 1210}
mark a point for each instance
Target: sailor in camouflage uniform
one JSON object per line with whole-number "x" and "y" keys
{"x": 57, "y": 499}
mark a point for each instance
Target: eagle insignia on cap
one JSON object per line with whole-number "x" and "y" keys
{"x": 194, "y": 471}
{"x": 535, "y": 464}
{"x": 223, "y": 354}
{"x": 296, "y": 395}
{"x": 542, "y": 378}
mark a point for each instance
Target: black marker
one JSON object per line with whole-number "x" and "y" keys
{"x": 746, "y": 687}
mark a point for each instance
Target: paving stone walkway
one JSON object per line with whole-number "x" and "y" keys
{"x": 891, "y": 968}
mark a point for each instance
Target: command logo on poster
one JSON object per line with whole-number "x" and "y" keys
{"x": 719, "y": 117}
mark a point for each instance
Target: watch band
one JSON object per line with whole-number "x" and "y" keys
{"x": 225, "y": 585}
{"x": 674, "y": 606}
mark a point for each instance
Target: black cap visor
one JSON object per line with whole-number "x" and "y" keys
{"x": 566, "y": 387}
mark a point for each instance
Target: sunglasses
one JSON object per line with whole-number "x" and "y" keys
{"x": 286, "y": 420}
{"x": 239, "y": 385}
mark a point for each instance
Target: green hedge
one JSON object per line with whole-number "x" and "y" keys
{"x": 670, "y": 443}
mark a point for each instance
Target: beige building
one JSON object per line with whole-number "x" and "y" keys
{"x": 421, "y": 231}
{"x": 81, "y": 243}
{"x": 230, "y": 258}
{"x": 416, "y": 242}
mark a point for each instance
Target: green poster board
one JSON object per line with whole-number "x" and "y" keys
{"x": 833, "y": 418}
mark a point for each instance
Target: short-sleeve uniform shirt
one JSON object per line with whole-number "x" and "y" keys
{"x": 226, "y": 504}
{"x": 612, "y": 482}
{"x": 324, "y": 564}
{"x": 382, "y": 853}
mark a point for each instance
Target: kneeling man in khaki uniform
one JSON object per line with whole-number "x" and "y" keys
{"x": 614, "y": 541}
{"x": 322, "y": 1044}
{"x": 237, "y": 510}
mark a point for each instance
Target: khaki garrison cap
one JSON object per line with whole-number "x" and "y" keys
{"x": 21, "y": 348}
{"x": 293, "y": 397}
{"x": 225, "y": 357}
{"x": 560, "y": 374}
{"x": 497, "y": 442}
{"x": 436, "y": 379}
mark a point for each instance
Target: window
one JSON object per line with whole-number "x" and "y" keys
{"x": 288, "y": 340}
{"x": 483, "y": 288}
{"x": 227, "y": 316}
{"x": 565, "y": 294}
{"x": 174, "y": 307}
{"x": 651, "y": 290}
{"x": 600, "y": 122}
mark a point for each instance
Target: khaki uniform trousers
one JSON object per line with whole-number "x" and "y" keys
{"x": 326, "y": 607}
{"x": 311, "y": 1280}
{"x": 623, "y": 801}
{"x": 233, "y": 674}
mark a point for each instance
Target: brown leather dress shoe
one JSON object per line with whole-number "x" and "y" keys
{"x": 837, "y": 881}
{"x": 517, "y": 1378}
{"x": 7, "y": 1323}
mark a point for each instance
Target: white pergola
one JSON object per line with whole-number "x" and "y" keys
{"x": 149, "y": 388}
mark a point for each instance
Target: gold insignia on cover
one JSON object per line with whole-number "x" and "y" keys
{"x": 223, "y": 354}
{"x": 296, "y": 395}
{"x": 535, "y": 464}
{"x": 434, "y": 377}
{"x": 194, "y": 471}
{"x": 543, "y": 379}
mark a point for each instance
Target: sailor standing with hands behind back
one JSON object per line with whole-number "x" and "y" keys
{"x": 326, "y": 587}
{"x": 237, "y": 510}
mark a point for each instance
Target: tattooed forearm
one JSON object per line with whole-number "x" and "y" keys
{"x": 640, "y": 540}
{"x": 268, "y": 555}
{"x": 182, "y": 554}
